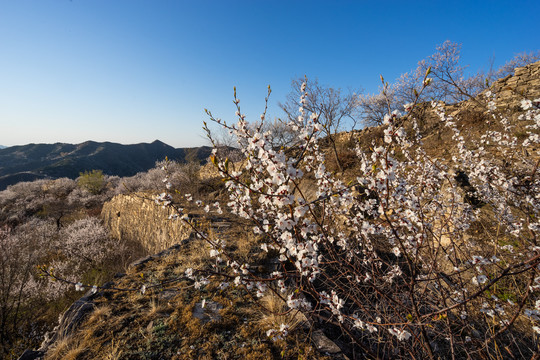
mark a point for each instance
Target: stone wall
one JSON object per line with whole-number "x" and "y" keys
{"x": 135, "y": 218}
{"x": 525, "y": 83}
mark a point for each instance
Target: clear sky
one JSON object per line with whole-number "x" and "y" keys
{"x": 133, "y": 71}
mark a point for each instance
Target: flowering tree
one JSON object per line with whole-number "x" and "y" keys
{"x": 398, "y": 258}
{"x": 47, "y": 199}
{"x": 415, "y": 256}
{"x": 67, "y": 253}
{"x": 19, "y": 254}
{"x": 450, "y": 82}
{"x": 333, "y": 107}
{"x": 519, "y": 60}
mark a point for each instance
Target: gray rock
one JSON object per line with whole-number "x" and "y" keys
{"x": 70, "y": 321}
{"x": 210, "y": 311}
{"x": 324, "y": 344}
{"x": 31, "y": 355}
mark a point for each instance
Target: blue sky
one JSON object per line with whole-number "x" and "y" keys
{"x": 133, "y": 71}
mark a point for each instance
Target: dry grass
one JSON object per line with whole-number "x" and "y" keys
{"x": 114, "y": 351}
{"x": 100, "y": 314}
{"x": 275, "y": 312}
{"x": 67, "y": 349}
{"x": 160, "y": 323}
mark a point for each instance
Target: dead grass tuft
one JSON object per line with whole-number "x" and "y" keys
{"x": 99, "y": 314}
{"x": 67, "y": 349}
{"x": 275, "y": 312}
{"x": 114, "y": 350}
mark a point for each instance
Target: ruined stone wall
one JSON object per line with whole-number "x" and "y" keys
{"x": 135, "y": 218}
{"x": 208, "y": 171}
{"x": 525, "y": 83}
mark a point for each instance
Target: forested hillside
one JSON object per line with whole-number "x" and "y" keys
{"x": 52, "y": 161}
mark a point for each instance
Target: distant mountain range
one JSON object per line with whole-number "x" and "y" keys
{"x": 39, "y": 161}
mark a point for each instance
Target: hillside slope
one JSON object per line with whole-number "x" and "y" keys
{"x": 156, "y": 310}
{"x": 37, "y": 161}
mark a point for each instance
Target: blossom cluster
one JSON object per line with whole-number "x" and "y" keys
{"x": 392, "y": 248}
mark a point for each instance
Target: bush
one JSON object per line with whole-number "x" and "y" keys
{"x": 397, "y": 259}
{"x": 93, "y": 181}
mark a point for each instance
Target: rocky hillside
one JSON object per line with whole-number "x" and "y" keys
{"x": 156, "y": 311}
{"x": 37, "y": 161}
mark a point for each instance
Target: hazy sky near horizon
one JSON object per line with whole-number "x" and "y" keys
{"x": 133, "y": 71}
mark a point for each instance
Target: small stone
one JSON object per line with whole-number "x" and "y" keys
{"x": 210, "y": 311}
